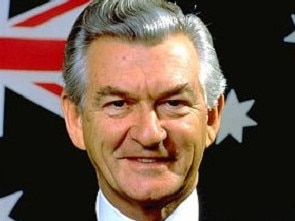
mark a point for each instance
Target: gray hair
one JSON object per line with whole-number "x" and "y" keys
{"x": 146, "y": 21}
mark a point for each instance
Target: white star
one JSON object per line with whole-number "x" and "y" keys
{"x": 7, "y": 203}
{"x": 234, "y": 118}
{"x": 291, "y": 37}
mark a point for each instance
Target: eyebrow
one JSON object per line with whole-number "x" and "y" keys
{"x": 116, "y": 91}
{"x": 110, "y": 90}
{"x": 178, "y": 89}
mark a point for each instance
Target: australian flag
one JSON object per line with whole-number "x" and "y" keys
{"x": 246, "y": 175}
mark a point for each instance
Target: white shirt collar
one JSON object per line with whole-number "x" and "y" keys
{"x": 188, "y": 210}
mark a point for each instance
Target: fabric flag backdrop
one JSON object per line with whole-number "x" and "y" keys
{"x": 246, "y": 175}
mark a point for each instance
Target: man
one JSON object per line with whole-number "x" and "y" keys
{"x": 143, "y": 96}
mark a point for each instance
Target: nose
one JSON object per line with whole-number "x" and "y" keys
{"x": 147, "y": 130}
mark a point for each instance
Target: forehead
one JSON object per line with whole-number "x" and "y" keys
{"x": 111, "y": 59}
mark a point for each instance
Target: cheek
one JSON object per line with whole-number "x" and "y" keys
{"x": 189, "y": 132}
{"x": 189, "y": 139}
{"x": 102, "y": 134}
{"x": 101, "y": 138}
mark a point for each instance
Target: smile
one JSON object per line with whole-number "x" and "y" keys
{"x": 145, "y": 160}
{"x": 149, "y": 160}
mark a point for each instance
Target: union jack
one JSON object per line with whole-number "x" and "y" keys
{"x": 31, "y": 50}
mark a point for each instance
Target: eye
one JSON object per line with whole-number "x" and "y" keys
{"x": 174, "y": 103}
{"x": 117, "y": 108}
{"x": 118, "y": 103}
{"x": 174, "y": 107}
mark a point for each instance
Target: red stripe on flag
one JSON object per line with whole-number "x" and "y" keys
{"x": 53, "y": 88}
{"x": 53, "y": 12}
{"x": 31, "y": 54}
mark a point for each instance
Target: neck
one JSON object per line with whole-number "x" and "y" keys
{"x": 146, "y": 211}
{"x": 153, "y": 210}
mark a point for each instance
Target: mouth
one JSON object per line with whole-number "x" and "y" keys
{"x": 148, "y": 166}
{"x": 149, "y": 160}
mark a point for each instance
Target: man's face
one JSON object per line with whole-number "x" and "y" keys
{"x": 144, "y": 124}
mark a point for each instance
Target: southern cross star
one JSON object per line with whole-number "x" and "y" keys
{"x": 7, "y": 203}
{"x": 234, "y": 118}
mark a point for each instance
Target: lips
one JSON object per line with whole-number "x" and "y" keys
{"x": 147, "y": 166}
{"x": 149, "y": 159}
{"x": 146, "y": 160}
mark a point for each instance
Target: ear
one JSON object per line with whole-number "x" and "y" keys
{"x": 73, "y": 120}
{"x": 214, "y": 120}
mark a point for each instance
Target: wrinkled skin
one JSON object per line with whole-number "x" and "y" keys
{"x": 145, "y": 123}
